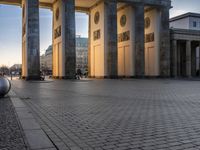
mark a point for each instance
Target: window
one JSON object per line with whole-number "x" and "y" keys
{"x": 194, "y": 24}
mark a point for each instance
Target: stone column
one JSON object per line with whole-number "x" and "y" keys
{"x": 111, "y": 42}
{"x": 188, "y": 58}
{"x": 70, "y": 39}
{"x": 199, "y": 59}
{"x": 64, "y": 52}
{"x": 30, "y": 40}
{"x": 139, "y": 40}
{"x": 174, "y": 58}
{"x": 193, "y": 59}
{"x": 178, "y": 59}
{"x": 164, "y": 43}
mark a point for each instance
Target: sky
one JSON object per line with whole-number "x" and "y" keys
{"x": 11, "y": 28}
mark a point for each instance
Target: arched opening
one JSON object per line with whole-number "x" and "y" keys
{"x": 46, "y": 41}
{"x": 82, "y": 44}
{"x": 10, "y": 39}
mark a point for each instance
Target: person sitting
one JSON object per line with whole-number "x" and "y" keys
{"x": 78, "y": 74}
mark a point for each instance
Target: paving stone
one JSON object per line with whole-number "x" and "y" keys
{"x": 37, "y": 139}
{"x": 29, "y": 124}
{"x": 117, "y": 114}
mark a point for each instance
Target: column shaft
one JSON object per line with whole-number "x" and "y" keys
{"x": 164, "y": 43}
{"x": 193, "y": 59}
{"x": 30, "y": 38}
{"x": 199, "y": 60}
{"x": 178, "y": 59}
{"x": 174, "y": 47}
{"x": 111, "y": 42}
{"x": 70, "y": 38}
{"x": 139, "y": 40}
{"x": 188, "y": 58}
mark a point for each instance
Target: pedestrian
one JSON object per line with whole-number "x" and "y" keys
{"x": 11, "y": 76}
{"x": 78, "y": 74}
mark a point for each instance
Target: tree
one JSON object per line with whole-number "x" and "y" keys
{"x": 4, "y": 70}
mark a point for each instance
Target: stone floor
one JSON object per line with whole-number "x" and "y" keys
{"x": 11, "y": 134}
{"x": 116, "y": 114}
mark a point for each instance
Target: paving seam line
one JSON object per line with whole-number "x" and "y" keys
{"x": 35, "y": 137}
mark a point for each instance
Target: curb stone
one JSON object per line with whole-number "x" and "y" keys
{"x": 35, "y": 136}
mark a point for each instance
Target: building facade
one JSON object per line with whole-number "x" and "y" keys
{"x": 127, "y": 38}
{"x": 185, "y": 43}
{"x": 189, "y": 21}
{"x": 140, "y": 47}
{"x": 16, "y": 69}
{"x": 46, "y": 63}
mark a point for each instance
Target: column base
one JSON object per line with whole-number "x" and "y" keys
{"x": 31, "y": 77}
{"x": 129, "y": 77}
{"x": 64, "y": 78}
{"x": 104, "y": 77}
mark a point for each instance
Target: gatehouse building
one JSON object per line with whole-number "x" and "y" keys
{"x": 127, "y": 38}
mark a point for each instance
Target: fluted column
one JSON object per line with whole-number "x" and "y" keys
{"x": 139, "y": 40}
{"x": 178, "y": 59}
{"x": 193, "y": 59}
{"x": 70, "y": 38}
{"x": 30, "y": 40}
{"x": 174, "y": 58}
{"x": 199, "y": 59}
{"x": 111, "y": 42}
{"x": 164, "y": 43}
{"x": 188, "y": 58}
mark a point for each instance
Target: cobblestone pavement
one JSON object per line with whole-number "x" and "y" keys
{"x": 116, "y": 114}
{"x": 11, "y": 135}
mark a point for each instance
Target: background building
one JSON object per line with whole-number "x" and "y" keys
{"x": 186, "y": 21}
{"x": 16, "y": 69}
{"x": 46, "y": 61}
{"x": 185, "y": 42}
{"x": 81, "y": 56}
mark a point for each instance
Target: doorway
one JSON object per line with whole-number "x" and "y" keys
{"x": 124, "y": 61}
{"x": 150, "y": 61}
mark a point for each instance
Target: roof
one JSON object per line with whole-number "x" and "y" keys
{"x": 16, "y": 66}
{"x": 84, "y": 5}
{"x": 189, "y": 14}
{"x": 185, "y": 34}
